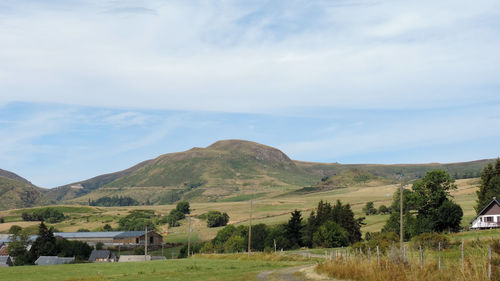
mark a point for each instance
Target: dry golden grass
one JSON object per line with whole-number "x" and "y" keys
{"x": 270, "y": 209}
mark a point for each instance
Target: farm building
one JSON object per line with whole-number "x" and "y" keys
{"x": 489, "y": 217}
{"x": 5, "y": 261}
{"x": 102, "y": 256}
{"x": 113, "y": 237}
{"x": 53, "y": 260}
{"x": 132, "y": 258}
{"x": 3, "y": 249}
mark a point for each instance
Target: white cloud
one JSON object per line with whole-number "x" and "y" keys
{"x": 208, "y": 55}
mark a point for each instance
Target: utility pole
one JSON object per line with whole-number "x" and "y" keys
{"x": 250, "y": 230}
{"x": 189, "y": 235}
{"x": 401, "y": 214}
{"x": 146, "y": 244}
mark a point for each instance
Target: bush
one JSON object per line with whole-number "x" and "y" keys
{"x": 114, "y": 201}
{"x": 50, "y": 215}
{"x": 83, "y": 230}
{"x": 216, "y": 218}
{"x": 137, "y": 220}
{"x": 331, "y": 235}
{"x": 430, "y": 241}
{"x": 383, "y": 210}
{"x": 15, "y": 229}
{"x": 183, "y": 207}
{"x": 235, "y": 243}
{"x": 381, "y": 239}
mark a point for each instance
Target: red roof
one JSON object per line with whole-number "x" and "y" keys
{"x": 3, "y": 251}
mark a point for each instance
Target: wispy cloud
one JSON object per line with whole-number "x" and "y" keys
{"x": 254, "y": 56}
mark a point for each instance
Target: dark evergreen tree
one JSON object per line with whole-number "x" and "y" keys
{"x": 490, "y": 185}
{"x": 45, "y": 243}
{"x": 294, "y": 229}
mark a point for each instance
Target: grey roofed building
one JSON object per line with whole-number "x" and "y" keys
{"x": 133, "y": 258}
{"x": 5, "y": 261}
{"x": 102, "y": 256}
{"x": 74, "y": 235}
{"x": 52, "y": 260}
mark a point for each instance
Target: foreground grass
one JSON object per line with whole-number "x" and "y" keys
{"x": 202, "y": 267}
{"x": 392, "y": 267}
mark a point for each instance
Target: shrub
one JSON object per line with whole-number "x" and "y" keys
{"x": 216, "y": 218}
{"x": 330, "y": 234}
{"x": 15, "y": 229}
{"x": 430, "y": 241}
{"x": 235, "y": 243}
{"x": 183, "y": 207}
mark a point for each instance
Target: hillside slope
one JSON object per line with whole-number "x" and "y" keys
{"x": 233, "y": 169}
{"x": 81, "y": 188}
{"x": 17, "y": 192}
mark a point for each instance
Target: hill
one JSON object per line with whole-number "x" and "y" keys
{"x": 17, "y": 192}
{"x": 458, "y": 170}
{"x": 225, "y": 168}
{"x": 231, "y": 170}
{"x": 78, "y": 189}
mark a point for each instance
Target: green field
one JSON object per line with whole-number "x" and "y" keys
{"x": 230, "y": 267}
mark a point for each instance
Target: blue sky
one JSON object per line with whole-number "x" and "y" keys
{"x": 90, "y": 87}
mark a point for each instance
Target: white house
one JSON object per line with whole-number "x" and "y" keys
{"x": 489, "y": 217}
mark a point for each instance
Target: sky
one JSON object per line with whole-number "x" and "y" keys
{"x": 95, "y": 86}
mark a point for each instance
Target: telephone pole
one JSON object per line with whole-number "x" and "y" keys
{"x": 401, "y": 214}
{"x": 189, "y": 236}
{"x": 250, "y": 230}
{"x": 146, "y": 244}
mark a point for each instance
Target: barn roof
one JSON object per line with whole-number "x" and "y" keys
{"x": 51, "y": 260}
{"x": 102, "y": 234}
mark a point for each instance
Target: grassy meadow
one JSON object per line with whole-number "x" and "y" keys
{"x": 270, "y": 208}
{"x": 200, "y": 267}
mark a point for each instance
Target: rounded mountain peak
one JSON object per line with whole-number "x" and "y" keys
{"x": 260, "y": 151}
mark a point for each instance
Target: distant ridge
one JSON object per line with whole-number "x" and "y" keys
{"x": 17, "y": 192}
{"x": 229, "y": 168}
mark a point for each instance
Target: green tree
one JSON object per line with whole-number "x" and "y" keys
{"x": 338, "y": 213}
{"x": 107, "y": 227}
{"x": 330, "y": 235}
{"x": 137, "y": 220}
{"x": 234, "y": 244}
{"x": 18, "y": 249}
{"x": 490, "y": 185}
{"x": 45, "y": 243}
{"x": 259, "y": 234}
{"x": 15, "y": 229}
{"x": 432, "y": 191}
{"x": 369, "y": 209}
{"x": 384, "y": 210}
{"x": 279, "y": 235}
{"x": 450, "y": 215}
{"x": 216, "y": 218}
{"x": 294, "y": 229}
{"x": 183, "y": 207}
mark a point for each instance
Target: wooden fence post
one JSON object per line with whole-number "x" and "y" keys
{"x": 462, "y": 255}
{"x": 404, "y": 253}
{"x": 489, "y": 261}
{"x": 378, "y": 256}
{"x": 439, "y": 255}
{"x": 421, "y": 256}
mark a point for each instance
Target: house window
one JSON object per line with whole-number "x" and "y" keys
{"x": 136, "y": 240}
{"x": 151, "y": 240}
{"x": 489, "y": 219}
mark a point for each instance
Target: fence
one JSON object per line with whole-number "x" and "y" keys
{"x": 464, "y": 258}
